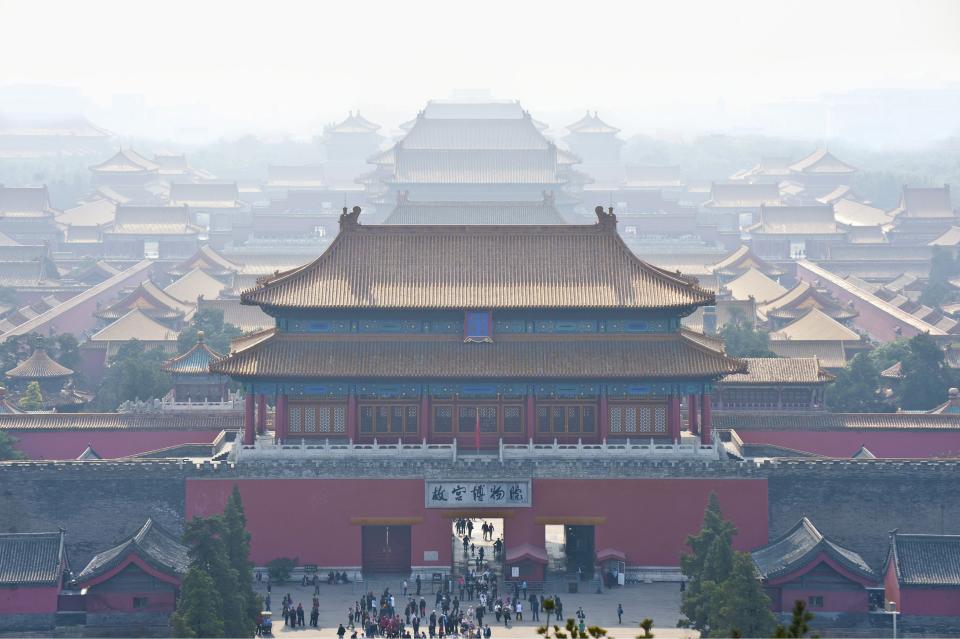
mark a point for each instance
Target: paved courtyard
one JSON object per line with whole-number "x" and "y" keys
{"x": 659, "y": 601}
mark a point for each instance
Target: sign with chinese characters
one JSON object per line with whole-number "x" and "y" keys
{"x": 478, "y": 494}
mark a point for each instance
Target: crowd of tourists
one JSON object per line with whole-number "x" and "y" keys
{"x": 464, "y": 607}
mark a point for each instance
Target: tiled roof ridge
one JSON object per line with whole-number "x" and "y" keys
{"x": 606, "y": 225}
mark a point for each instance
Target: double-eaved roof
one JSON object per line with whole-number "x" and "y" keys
{"x": 478, "y": 267}
{"x": 31, "y": 559}
{"x": 151, "y": 544}
{"x": 822, "y": 161}
{"x": 800, "y": 299}
{"x": 926, "y": 560}
{"x": 591, "y": 123}
{"x": 151, "y": 300}
{"x": 803, "y": 544}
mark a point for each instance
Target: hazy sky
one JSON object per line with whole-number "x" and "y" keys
{"x": 283, "y": 62}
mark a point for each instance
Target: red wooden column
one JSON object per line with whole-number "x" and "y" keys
{"x": 673, "y": 419}
{"x": 424, "y": 415}
{"x": 249, "y": 421}
{"x": 281, "y": 418}
{"x": 603, "y": 415}
{"x": 692, "y": 414}
{"x": 352, "y": 416}
{"x": 531, "y": 416}
{"x": 706, "y": 419}
{"x": 261, "y": 414}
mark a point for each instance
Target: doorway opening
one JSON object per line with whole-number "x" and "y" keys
{"x": 484, "y": 547}
{"x": 386, "y": 550}
{"x": 570, "y": 550}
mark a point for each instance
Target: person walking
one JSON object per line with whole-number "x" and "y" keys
{"x": 619, "y": 613}
{"x": 519, "y": 610}
{"x": 341, "y": 631}
{"x": 419, "y": 582}
{"x": 534, "y": 607}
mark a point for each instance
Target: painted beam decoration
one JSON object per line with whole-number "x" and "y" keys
{"x": 478, "y": 494}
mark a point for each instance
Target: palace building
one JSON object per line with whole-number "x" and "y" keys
{"x": 479, "y": 334}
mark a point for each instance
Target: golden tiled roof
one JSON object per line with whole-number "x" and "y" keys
{"x": 485, "y": 267}
{"x": 816, "y": 325}
{"x": 445, "y": 356}
{"x": 781, "y": 370}
{"x": 38, "y": 366}
{"x": 800, "y": 299}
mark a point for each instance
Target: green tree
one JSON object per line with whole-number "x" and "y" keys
{"x": 216, "y": 333}
{"x": 237, "y": 542}
{"x": 943, "y": 267}
{"x": 857, "y": 388}
{"x": 740, "y": 339}
{"x": 709, "y": 562}
{"x": 926, "y": 377}
{"x": 8, "y": 448}
{"x": 208, "y": 552}
{"x": 32, "y": 398}
{"x": 199, "y": 609}
{"x": 723, "y": 595}
{"x": 799, "y": 622}
{"x": 737, "y": 603}
{"x": 133, "y": 373}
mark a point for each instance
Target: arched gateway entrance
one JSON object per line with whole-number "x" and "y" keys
{"x": 477, "y": 543}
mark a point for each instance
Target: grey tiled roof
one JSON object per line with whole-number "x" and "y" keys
{"x": 801, "y": 544}
{"x": 835, "y": 421}
{"x": 181, "y": 421}
{"x": 927, "y": 560}
{"x": 31, "y": 558}
{"x": 152, "y": 544}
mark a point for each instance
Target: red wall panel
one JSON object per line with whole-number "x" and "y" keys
{"x": 68, "y": 444}
{"x": 843, "y": 444}
{"x": 648, "y": 519}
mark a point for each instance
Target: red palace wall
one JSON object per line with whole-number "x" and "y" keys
{"x": 68, "y": 444}
{"x": 930, "y": 601}
{"x": 28, "y": 600}
{"x": 317, "y": 520}
{"x": 111, "y": 602}
{"x": 843, "y": 444}
{"x": 855, "y": 601}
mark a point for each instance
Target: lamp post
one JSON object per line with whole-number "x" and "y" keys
{"x": 891, "y": 609}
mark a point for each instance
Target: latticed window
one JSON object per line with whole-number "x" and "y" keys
{"x": 512, "y": 419}
{"x": 296, "y": 419}
{"x": 644, "y": 418}
{"x": 488, "y": 419}
{"x": 308, "y": 418}
{"x": 443, "y": 419}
